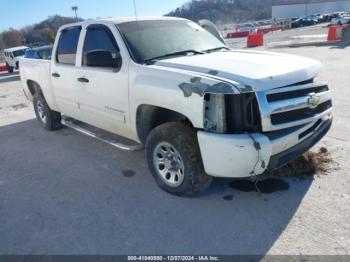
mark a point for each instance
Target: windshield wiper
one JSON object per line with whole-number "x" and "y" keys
{"x": 216, "y": 49}
{"x": 180, "y": 53}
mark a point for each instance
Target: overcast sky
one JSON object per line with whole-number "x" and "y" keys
{"x": 19, "y": 13}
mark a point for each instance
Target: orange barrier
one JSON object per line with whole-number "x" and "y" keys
{"x": 3, "y": 68}
{"x": 254, "y": 40}
{"x": 335, "y": 33}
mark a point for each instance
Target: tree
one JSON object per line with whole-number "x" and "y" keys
{"x": 50, "y": 36}
{"x": 45, "y": 31}
{"x": 12, "y": 38}
{"x": 2, "y": 45}
{"x": 224, "y": 10}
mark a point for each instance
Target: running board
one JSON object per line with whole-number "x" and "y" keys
{"x": 101, "y": 135}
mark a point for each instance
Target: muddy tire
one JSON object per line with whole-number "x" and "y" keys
{"x": 9, "y": 68}
{"x": 49, "y": 119}
{"x": 175, "y": 161}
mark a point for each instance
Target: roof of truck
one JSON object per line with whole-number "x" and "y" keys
{"x": 120, "y": 20}
{"x": 12, "y": 49}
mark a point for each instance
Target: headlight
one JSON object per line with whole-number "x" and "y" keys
{"x": 232, "y": 114}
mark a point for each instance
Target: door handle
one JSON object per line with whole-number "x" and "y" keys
{"x": 83, "y": 80}
{"x": 56, "y": 75}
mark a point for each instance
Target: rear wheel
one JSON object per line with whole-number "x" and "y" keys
{"x": 49, "y": 119}
{"x": 174, "y": 160}
{"x": 9, "y": 68}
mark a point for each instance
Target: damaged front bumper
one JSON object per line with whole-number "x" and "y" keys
{"x": 246, "y": 155}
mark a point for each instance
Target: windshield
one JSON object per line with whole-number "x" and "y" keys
{"x": 154, "y": 39}
{"x": 19, "y": 52}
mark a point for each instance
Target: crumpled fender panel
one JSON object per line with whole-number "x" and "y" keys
{"x": 173, "y": 89}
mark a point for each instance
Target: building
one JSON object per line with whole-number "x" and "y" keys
{"x": 308, "y": 7}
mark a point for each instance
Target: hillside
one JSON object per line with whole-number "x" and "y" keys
{"x": 228, "y": 10}
{"x": 45, "y": 30}
{"x": 41, "y": 33}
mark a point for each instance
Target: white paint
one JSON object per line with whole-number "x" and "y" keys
{"x": 234, "y": 155}
{"x": 260, "y": 70}
{"x": 110, "y": 100}
{"x": 91, "y": 102}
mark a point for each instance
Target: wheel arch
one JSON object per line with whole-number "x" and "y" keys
{"x": 34, "y": 87}
{"x": 149, "y": 117}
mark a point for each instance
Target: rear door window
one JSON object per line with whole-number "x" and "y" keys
{"x": 67, "y": 46}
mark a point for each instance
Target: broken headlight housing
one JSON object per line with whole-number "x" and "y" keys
{"x": 232, "y": 114}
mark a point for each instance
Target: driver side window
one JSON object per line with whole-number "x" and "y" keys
{"x": 100, "y": 48}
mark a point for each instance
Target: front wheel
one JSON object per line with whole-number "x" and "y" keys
{"x": 49, "y": 119}
{"x": 175, "y": 161}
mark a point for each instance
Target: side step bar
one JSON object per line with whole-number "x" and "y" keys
{"x": 101, "y": 135}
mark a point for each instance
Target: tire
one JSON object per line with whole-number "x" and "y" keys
{"x": 49, "y": 119}
{"x": 174, "y": 140}
{"x": 9, "y": 68}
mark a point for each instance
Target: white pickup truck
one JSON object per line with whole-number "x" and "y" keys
{"x": 200, "y": 109}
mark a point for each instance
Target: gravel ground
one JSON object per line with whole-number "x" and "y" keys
{"x": 65, "y": 193}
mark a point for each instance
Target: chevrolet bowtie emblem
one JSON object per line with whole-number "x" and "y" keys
{"x": 314, "y": 100}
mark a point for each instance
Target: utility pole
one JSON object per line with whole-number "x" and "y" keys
{"x": 135, "y": 9}
{"x": 306, "y": 7}
{"x": 75, "y": 9}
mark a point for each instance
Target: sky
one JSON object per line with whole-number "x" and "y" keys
{"x": 19, "y": 13}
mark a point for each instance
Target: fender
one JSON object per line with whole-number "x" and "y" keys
{"x": 173, "y": 89}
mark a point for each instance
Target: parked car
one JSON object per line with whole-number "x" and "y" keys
{"x": 12, "y": 56}
{"x": 343, "y": 20}
{"x": 301, "y": 22}
{"x": 248, "y": 27}
{"x": 201, "y": 110}
{"x": 43, "y": 52}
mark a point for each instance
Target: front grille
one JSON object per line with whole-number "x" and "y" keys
{"x": 296, "y": 93}
{"x": 299, "y": 114}
{"x": 310, "y": 130}
{"x": 295, "y": 105}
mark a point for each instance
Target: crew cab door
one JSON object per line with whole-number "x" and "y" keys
{"x": 63, "y": 72}
{"x": 102, "y": 78}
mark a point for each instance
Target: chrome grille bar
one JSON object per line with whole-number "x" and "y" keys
{"x": 307, "y": 96}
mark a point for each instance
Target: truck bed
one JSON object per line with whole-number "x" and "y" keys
{"x": 38, "y": 71}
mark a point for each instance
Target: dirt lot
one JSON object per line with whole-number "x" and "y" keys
{"x": 65, "y": 193}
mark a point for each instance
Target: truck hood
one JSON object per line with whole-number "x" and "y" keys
{"x": 248, "y": 70}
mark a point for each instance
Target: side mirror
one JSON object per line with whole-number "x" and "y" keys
{"x": 102, "y": 58}
{"x": 211, "y": 28}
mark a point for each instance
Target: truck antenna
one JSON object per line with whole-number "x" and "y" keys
{"x": 135, "y": 9}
